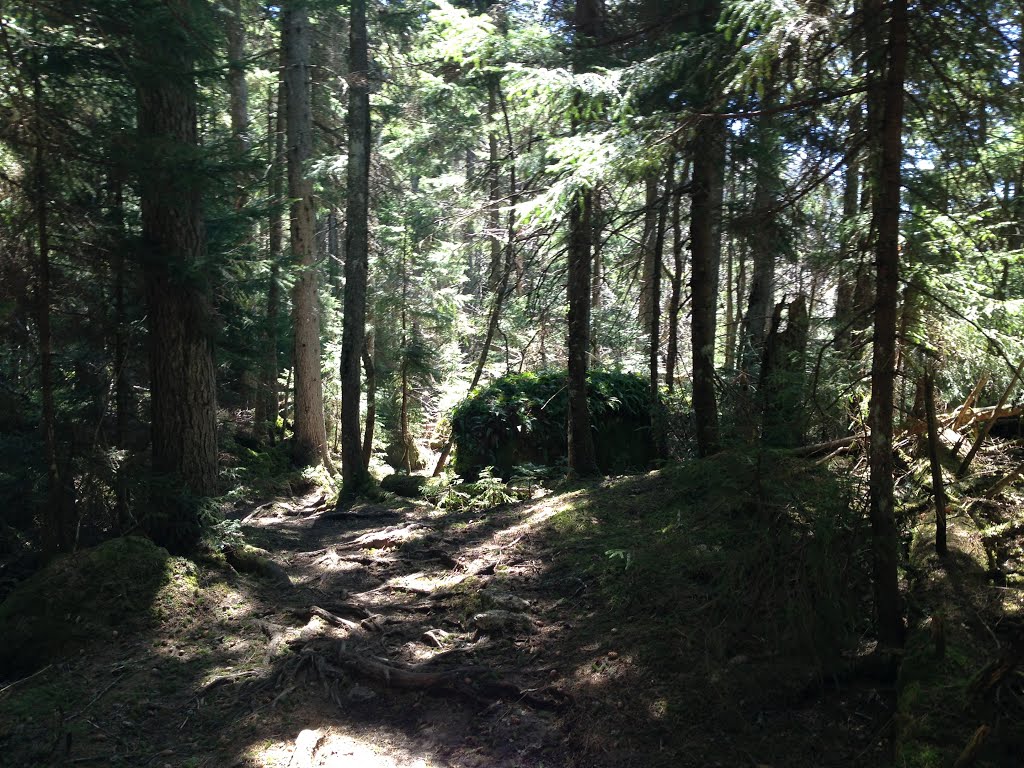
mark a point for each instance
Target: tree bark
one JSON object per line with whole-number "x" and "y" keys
{"x": 705, "y": 210}
{"x": 268, "y": 401}
{"x": 938, "y": 489}
{"x": 58, "y": 527}
{"x": 885, "y": 104}
{"x": 183, "y": 394}
{"x": 370, "y": 368}
{"x": 676, "y": 298}
{"x": 356, "y": 477}
{"x": 765, "y": 242}
{"x": 310, "y": 430}
{"x": 582, "y": 456}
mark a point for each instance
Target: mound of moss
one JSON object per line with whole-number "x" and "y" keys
{"x": 82, "y": 597}
{"x": 521, "y": 419}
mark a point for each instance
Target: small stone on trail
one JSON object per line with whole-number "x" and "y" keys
{"x": 361, "y": 693}
{"x": 436, "y": 638}
{"x": 613, "y": 655}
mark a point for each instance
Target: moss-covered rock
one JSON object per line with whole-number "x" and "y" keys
{"x": 410, "y": 486}
{"x": 521, "y": 419}
{"x": 85, "y": 596}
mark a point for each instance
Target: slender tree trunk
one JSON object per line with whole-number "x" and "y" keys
{"x": 886, "y": 115}
{"x": 765, "y": 246}
{"x": 309, "y": 426}
{"x": 676, "y": 299}
{"x": 370, "y": 367}
{"x": 595, "y": 278}
{"x": 183, "y": 393}
{"x": 238, "y": 90}
{"x": 58, "y": 527}
{"x": 268, "y": 401}
{"x": 648, "y": 268}
{"x": 938, "y": 488}
{"x": 356, "y": 476}
{"x": 122, "y": 392}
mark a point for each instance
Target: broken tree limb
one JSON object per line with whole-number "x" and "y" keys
{"x": 962, "y": 415}
{"x": 333, "y": 619}
{"x": 388, "y": 537}
{"x": 988, "y": 424}
{"x": 1011, "y": 476}
{"x": 819, "y": 449}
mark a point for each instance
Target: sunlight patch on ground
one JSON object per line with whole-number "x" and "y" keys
{"x": 331, "y": 748}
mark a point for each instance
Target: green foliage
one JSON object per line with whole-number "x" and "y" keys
{"x": 521, "y": 418}
{"x": 451, "y": 493}
{"x": 768, "y": 551}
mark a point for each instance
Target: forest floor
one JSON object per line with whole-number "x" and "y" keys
{"x": 551, "y": 632}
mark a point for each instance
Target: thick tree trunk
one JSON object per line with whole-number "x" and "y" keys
{"x": 886, "y": 117}
{"x": 705, "y": 247}
{"x": 309, "y": 426}
{"x": 356, "y": 477}
{"x": 183, "y": 394}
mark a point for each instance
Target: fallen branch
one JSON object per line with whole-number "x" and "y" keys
{"x": 6, "y": 688}
{"x": 810, "y": 451}
{"x": 990, "y": 423}
{"x": 389, "y": 537}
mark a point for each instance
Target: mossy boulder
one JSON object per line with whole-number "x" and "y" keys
{"x": 86, "y": 596}
{"x": 521, "y": 419}
{"x": 410, "y": 486}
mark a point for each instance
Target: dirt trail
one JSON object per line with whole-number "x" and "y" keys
{"x": 514, "y": 661}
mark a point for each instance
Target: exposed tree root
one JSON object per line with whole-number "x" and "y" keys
{"x": 332, "y": 662}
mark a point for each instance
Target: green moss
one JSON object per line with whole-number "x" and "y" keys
{"x": 520, "y": 419}
{"x": 86, "y": 596}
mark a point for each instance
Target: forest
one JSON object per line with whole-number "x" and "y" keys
{"x": 514, "y": 383}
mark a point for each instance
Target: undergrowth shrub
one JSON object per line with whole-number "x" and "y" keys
{"x": 763, "y": 551}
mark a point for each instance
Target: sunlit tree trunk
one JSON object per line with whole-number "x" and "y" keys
{"x": 356, "y": 477}
{"x": 310, "y": 429}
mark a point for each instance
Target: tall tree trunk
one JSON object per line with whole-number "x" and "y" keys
{"x": 268, "y": 401}
{"x": 648, "y": 267}
{"x": 183, "y": 392}
{"x": 370, "y": 367}
{"x": 885, "y": 105}
{"x": 582, "y": 456}
{"x": 765, "y": 245}
{"x": 238, "y": 90}
{"x": 676, "y": 300}
{"x": 705, "y": 248}
{"x": 58, "y": 525}
{"x": 357, "y": 238}
{"x": 309, "y": 426}
{"x": 122, "y": 391}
